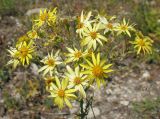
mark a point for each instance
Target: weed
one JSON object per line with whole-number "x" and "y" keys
{"x": 7, "y": 6}
{"x": 147, "y": 109}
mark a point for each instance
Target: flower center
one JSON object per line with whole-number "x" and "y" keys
{"x": 90, "y": 52}
{"x": 97, "y": 71}
{"x": 80, "y": 25}
{"x": 24, "y": 51}
{"x": 93, "y": 35}
{"x": 77, "y": 80}
{"x": 44, "y": 16}
{"x": 61, "y": 93}
{"x": 110, "y": 26}
{"x": 141, "y": 42}
{"x": 50, "y": 62}
{"x": 124, "y": 27}
{"x": 78, "y": 54}
{"x": 49, "y": 80}
{"x": 34, "y": 33}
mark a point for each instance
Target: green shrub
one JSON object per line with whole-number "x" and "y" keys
{"x": 7, "y": 7}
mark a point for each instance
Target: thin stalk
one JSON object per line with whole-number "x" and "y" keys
{"x": 93, "y": 111}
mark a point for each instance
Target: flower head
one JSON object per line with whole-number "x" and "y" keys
{"x": 32, "y": 34}
{"x": 74, "y": 55}
{"x": 124, "y": 27}
{"x": 61, "y": 93}
{"x": 96, "y": 69}
{"x": 24, "y": 52}
{"x": 46, "y": 17}
{"x": 21, "y": 54}
{"x": 50, "y": 62}
{"x": 92, "y": 36}
{"x": 77, "y": 80}
{"x": 143, "y": 44}
{"x": 108, "y": 24}
{"x": 14, "y": 55}
{"x": 83, "y": 21}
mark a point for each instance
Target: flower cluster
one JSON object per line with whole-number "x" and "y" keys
{"x": 22, "y": 53}
{"x": 46, "y": 17}
{"x": 84, "y": 65}
{"x": 25, "y": 46}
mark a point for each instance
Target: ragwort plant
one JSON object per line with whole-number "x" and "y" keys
{"x": 86, "y": 66}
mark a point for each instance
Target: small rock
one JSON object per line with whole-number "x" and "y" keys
{"x": 109, "y": 91}
{"x": 153, "y": 3}
{"x": 96, "y": 112}
{"x": 158, "y": 83}
{"x": 98, "y": 96}
{"x": 5, "y": 117}
{"x": 34, "y": 69}
{"x": 43, "y": 117}
{"x": 75, "y": 109}
{"x": 103, "y": 117}
{"x": 146, "y": 75}
{"x": 125, "y": 103}
{"x": 34, "y": 11}
{"x": 1, "y": 101}
{"x": 113, "y": 98}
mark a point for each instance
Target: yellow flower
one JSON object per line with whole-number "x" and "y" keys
{"x": 14, "y": 55}
{"x": 83, "y": 21}
{"x": 61, "y": 93}
{"x": 92, "y": 36}
{"x": 48, "y": 81}
{"x": 143, "y": 44}
{"x": 108, "y": 24}
{"x": 96, "y": 70}
{"x": 74, "y": 55}
{"x": 77, "y": 80}
{"x": 124, "y": 27}
{"x": 50, "y": 62}
{"x": 89, "y": 52}
{"x": 32, "y": 34}
{"x": 46, "y": 17}
{"x": 22, "y": 39}
{"x": 24, "y": 52}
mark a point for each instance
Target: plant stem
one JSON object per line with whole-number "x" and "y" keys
{"x": 93, "y": 111}
{"x": 82, "y": 114}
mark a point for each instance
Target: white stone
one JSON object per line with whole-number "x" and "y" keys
{"x": 74, "y": 110}
{"x": 125, "y": 103}
{"x": 5, "y": 117}
{"x": 1, "y": 101}
{"x": 34, "y": 69}
{"x": 43, "y": 117}
{"x": 146, "y": 75}
{"x": 34, "y": 11}
{"x": 96, "y": 112}
{"x": 109, "y": 91}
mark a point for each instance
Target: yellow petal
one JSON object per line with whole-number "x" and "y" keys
{"x": 64, "y": 83}
{"x": 67, "y": 103}
{"x": 93, "y": 59}
{"x": 98, "y": 58}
